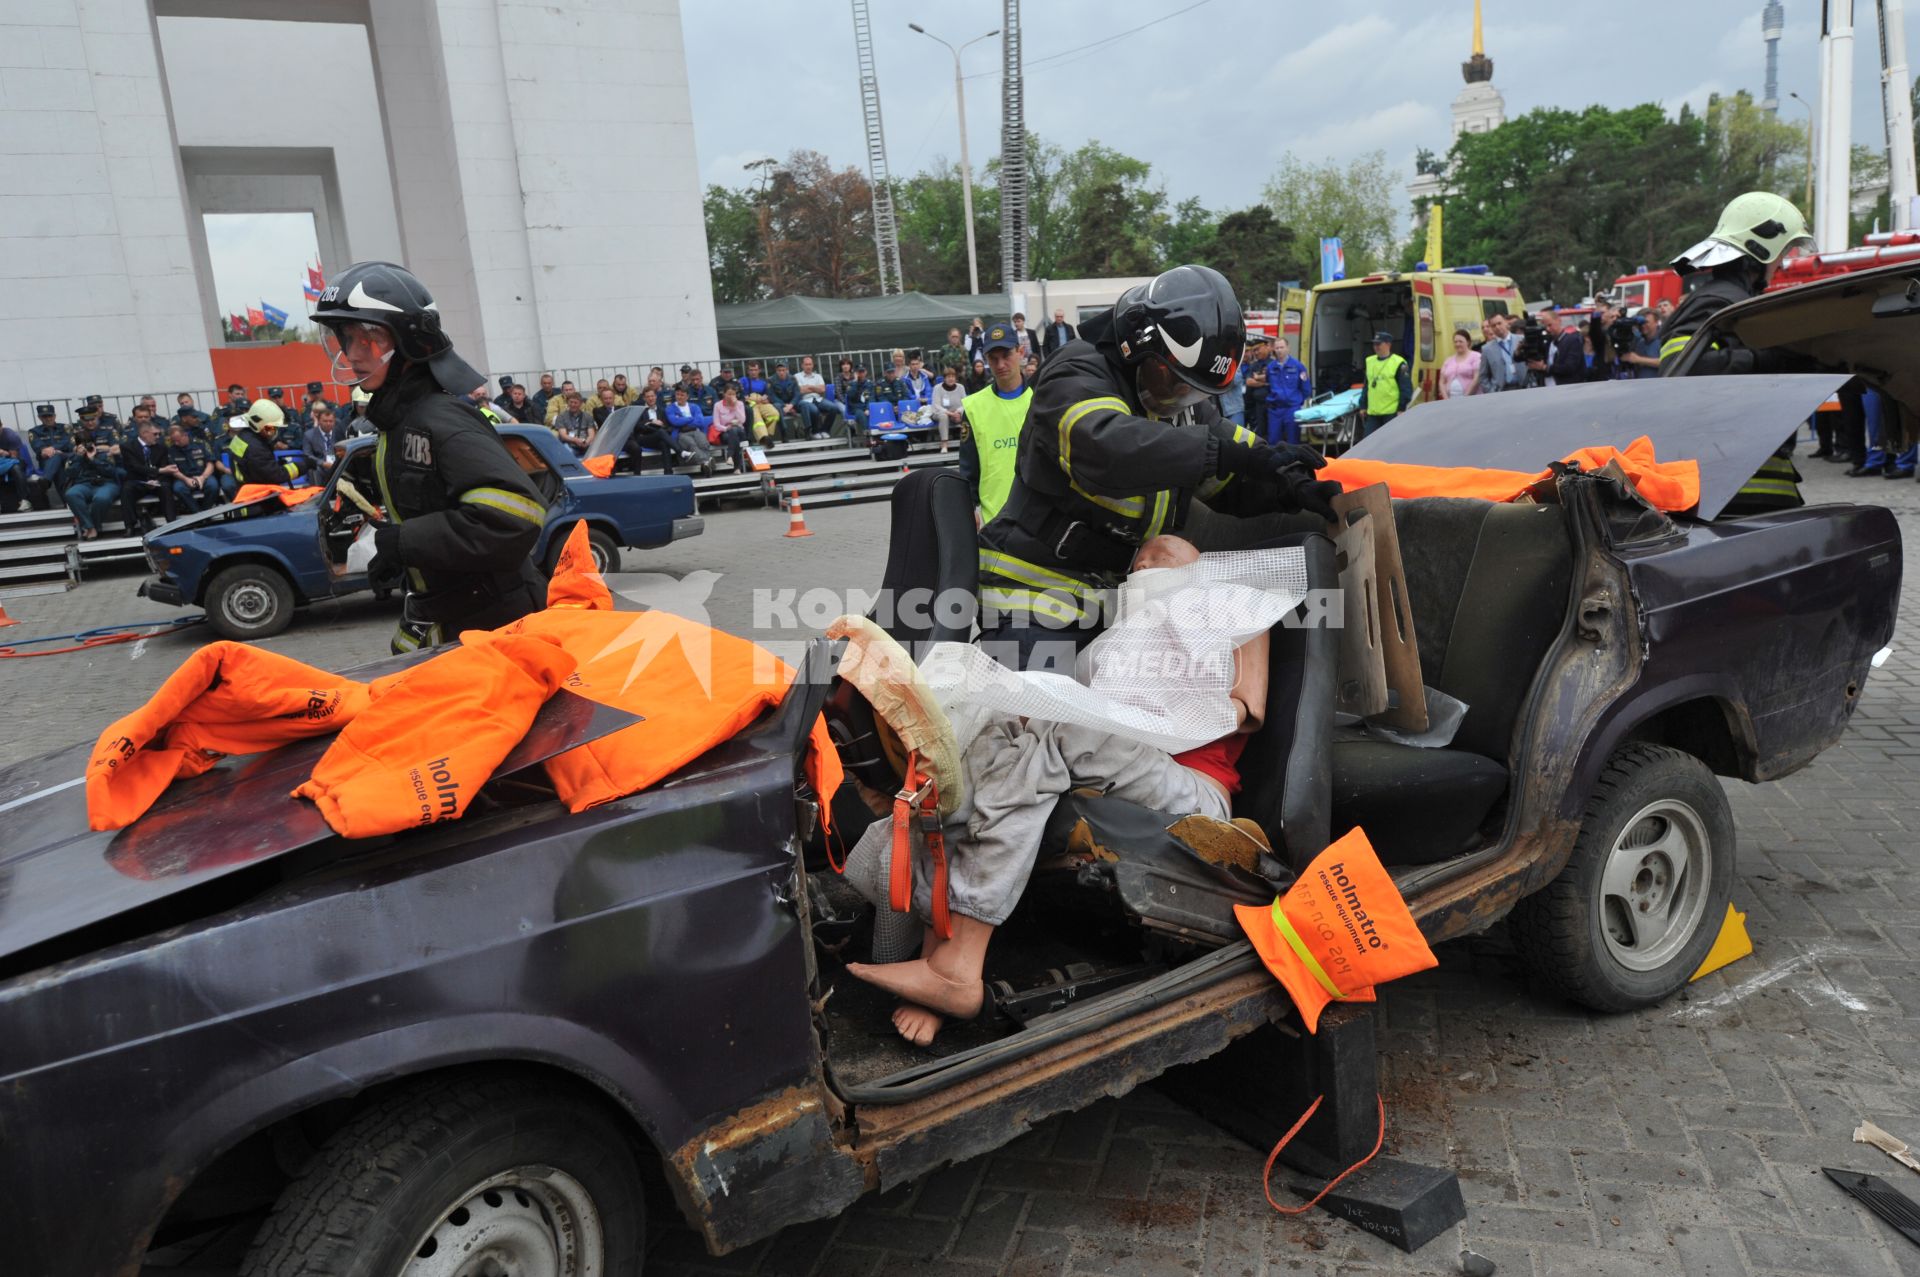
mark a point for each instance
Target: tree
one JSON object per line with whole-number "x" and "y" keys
{"x": 1190, "y": 229}
{"x": 1355, "y": 203}
{"x": 1254, "y": 252}
{"x": 733, "y": 245}
{"x": 818, "y": 240}
{"x": 930, "y": 210}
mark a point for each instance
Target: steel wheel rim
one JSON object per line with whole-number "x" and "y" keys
{"x": 250, "y": 604}
{"x": 531, "y": 1221}
{"x": 1654, "y": 885}
{"x": 599, "y": 556}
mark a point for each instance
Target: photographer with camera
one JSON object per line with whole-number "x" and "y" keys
{"x": 1642, "y": 350}
{"x": 91, "y": 484}
{"x": 1552, "y": 350}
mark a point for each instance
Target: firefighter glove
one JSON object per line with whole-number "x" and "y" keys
{"x": 1299, "y": 490}
{"x": 386, "y": 565}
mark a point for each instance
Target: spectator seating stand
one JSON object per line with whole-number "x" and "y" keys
{"x": 38, "y": 552}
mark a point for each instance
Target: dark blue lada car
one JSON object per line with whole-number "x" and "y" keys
{"x": 252, "y": 565}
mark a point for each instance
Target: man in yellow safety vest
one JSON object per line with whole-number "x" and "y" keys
{"x": 995, "y": 413}
{"x": 1389, "y": 385}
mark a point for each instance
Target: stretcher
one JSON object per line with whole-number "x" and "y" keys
{"x": 1330, "y": 421}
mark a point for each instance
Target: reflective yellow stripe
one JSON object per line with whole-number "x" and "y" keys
{"x": 1299, "y": 948}
{"x": 1126, "y": 507}
{"x": 404, "y": 641}
{"x": 1770, "y": 487}
{"x": 1029, "y": 573}
{"x": 507, "y": 502}
{"x": 380, "y": 473}
{"x": 1037, "y": 602}
{"x": 1674, "y": 345}
{"x": 1159, "y": 519}
{"x": 1243, "y": 435}
{"x": 1212, "y": 487}
{"x": 237, "y": 446}
{"x": 1072, "y": 416}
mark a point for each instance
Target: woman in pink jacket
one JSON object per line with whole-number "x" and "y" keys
{"x": 1460, "y": 375}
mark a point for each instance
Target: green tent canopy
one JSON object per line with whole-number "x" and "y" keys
{"x": 791, "y": 325}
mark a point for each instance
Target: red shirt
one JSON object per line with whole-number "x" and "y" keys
{"x": 1219, "y": 760}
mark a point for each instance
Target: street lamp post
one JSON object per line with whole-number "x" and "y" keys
{"x": 966, "y": 168}
{"x": 1803, "y": 102}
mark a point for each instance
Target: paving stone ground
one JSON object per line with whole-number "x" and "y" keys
{"x": 1687, "y": 1139}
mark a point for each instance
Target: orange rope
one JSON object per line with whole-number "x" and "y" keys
{"x": 1266, "y": 1172}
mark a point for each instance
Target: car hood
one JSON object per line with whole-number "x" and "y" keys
{"x": 221, "y": 514}
{"x": 1727, "y": 424}
{"x": 58, "y": 876}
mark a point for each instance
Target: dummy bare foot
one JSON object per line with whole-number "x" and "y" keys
{"x": 916, "y": 1024}
{"x": 919, "y": 983}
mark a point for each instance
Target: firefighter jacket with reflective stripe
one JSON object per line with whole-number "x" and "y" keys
{"x": 1094, "y": 476}
{"x": 1389, "y": 386}
{"x": 253, "y": 459}
{"x": 468, "y": 515}
{"x": 992, "y": 443}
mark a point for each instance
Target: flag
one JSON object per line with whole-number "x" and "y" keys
{"x": 1333, "y": 260}
{"x": 240, "y": 326}
{"x": 256, "y": 319}
{"x": 315, "y": 282}
{"x": 275, "y": 316}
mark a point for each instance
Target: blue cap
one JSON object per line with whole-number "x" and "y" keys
{"x": 1000, "y": 337}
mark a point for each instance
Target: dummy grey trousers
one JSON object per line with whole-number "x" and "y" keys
{"x": 1017, "y": 774}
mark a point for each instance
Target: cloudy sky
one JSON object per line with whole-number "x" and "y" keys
{"x": 1212, "y": 93}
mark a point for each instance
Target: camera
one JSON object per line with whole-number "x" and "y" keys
{"x": 1533, "y": 341}
{"x": 1621, "y": 334}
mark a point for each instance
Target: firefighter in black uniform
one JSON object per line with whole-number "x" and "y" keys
{"x": 1754, "y": 234}
{"x": 461, "y": 515}
{"x": 251, "y": 446}
{"x": 1122, "y": 435}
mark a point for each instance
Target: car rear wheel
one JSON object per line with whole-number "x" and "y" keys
{"x": 463, "y": 1177}
{"x": 1633, "y": 913}
{"x": 249, "y": 601}
{"x": 606, "y": 551}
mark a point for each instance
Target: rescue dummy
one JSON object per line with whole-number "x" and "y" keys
{"x": 999, "y": 796}
{"x": 1338, "y": 931}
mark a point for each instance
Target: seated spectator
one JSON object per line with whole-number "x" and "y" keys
{"x": 573, "y": 423}
{"x": 558, "y": 404}
{"x": 783, "y": 392}
{"x": 520, "y": 407}
{"x": 1030, "y": 368}
{"x": 724, "y": 378}
{"x": 237, "y": 402}
{"x": 729, "y": 429}
{"x": 949, "y": 404}
{"x": 538, "y": 399}
{"x": 623, "y": 394}
{"x": 16, "y": 464}
{"x": 608, "y": 405}
{"x": 699, "y": 393}
{"x": 50, "y": 443}
{"x": 853, "y": 391}
{"x": 823, "y": 416}
{"x": 687, "y": 432}
{"x": 753, "y": 383}
{"x": 506, "y": 387}
{"x": 763, "y": 420}
{"x": 90, "y": 483}
{"x": 593, "y": 400}
{"x": 190, "y": 471}
{"x": 977, "y": 376}
{"x": 649, "y": 432}
{"x": 142, "y": 459}
{"x": 919, "y": 378}
{"x": 316, "y": 442}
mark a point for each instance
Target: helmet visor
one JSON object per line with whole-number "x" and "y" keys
{"x": 358, "y": 350}
{"x": 1163, "y": 390}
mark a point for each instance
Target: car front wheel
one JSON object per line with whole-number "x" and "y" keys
{"x": 463, "y": 1176}
{"x": 249, "y": 601}
{"x": 1633, "y": 913}
{"x": 606, "y": 551}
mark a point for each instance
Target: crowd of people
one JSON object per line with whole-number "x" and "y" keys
{"x": 160, "y": 466}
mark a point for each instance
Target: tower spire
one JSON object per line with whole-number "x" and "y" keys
{"x": 1477, "y": 69}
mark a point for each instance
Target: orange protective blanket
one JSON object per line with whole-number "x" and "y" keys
{"x": 1668, "y": 485}
{"x": 288, "y": 496}
{"x": 433, "y": 735}
{"x": 693, "y": 685}
{"x": 1341, "y": 929}
{"x": 227, "y": 698}
{"x": 599, "y": 467}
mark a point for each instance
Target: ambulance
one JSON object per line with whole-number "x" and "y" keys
{"x": 1331, "y": 327}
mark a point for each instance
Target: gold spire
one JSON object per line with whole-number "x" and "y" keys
{"x": 1479, "y": 41}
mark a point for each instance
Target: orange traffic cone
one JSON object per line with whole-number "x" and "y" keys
{"x": 6, "y": 620}
{"x": 797, "y": 520}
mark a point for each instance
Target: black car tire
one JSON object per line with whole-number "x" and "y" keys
{"x": 408, "y": 1176}
{"x": 606, "y": 551}
{"x": 1575, "y": 931}
{"x": 249, "y": 601}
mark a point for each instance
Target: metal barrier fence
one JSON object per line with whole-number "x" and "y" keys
{"x": 18, "y": 414}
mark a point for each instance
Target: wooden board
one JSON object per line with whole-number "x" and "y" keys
{"x": 1362, "y": 686}
{"x": 1392, "y": 617}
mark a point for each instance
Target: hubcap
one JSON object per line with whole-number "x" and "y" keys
{"x": 599, "y": 557}
{"x": 250, "y": 603}
{"x": 1654, "y": 887}
{"x": 531, "y": 1221}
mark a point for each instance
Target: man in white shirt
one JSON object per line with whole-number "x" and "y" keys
{"x": 949, "y": 404}
{"x": 823, "y": 416}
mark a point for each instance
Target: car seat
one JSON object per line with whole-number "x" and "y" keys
{"x": 1487, "y": 585}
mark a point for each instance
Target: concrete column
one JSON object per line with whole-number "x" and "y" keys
{"x": 95, "y": 252}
